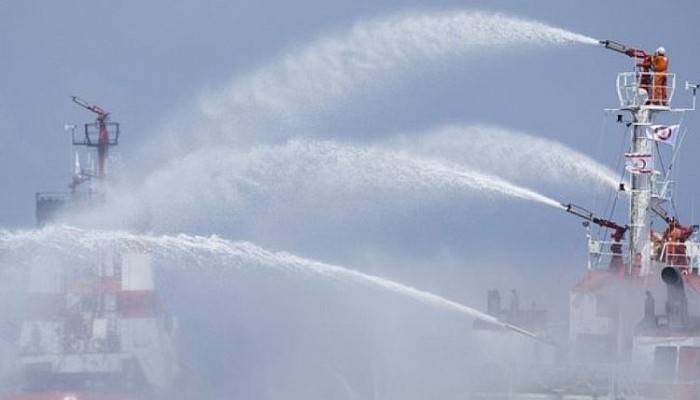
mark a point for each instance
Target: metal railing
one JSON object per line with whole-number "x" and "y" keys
{"x": 637, "y": 89}
{"x": 607, "y": 254}
{"x": 680, "y": 254}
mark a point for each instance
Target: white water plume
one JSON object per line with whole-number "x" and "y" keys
{"x": 510, "y": 154}
{"x": 331, "y": 67}
{"x": 205, "y": 252}
{"x": 224, "y": 181}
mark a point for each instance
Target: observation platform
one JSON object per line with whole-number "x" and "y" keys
{"x": 648, "y": 90}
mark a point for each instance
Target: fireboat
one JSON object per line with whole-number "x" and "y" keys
{"x": 634, "y": 318}
{"x": 94, "y": 329}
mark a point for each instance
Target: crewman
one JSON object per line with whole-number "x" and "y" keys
{"x": 616, "y": 261}
{"x": 657, "y": 245}
{"x": 660, "y": 67}
{"x": 675, "y": 237}
{"x": 649, "y": 307}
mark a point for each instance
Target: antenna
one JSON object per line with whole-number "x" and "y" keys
{"x": 692, "y": 86}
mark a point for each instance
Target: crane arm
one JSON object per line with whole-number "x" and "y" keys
{"x": 101, "y": 113}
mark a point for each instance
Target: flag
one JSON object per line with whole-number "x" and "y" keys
{"x": 638, "y": 163}
{"x": 663, "y": 133}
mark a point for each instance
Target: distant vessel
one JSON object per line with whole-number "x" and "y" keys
{"x": 94, "y": 328}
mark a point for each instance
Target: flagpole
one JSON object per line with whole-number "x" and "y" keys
{"x": 676, "y": 151}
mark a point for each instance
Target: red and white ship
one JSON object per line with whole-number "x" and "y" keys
{"x": 637, "y": 310}
{"x": 94, "y": 328}
{"x": 634, "y": 318}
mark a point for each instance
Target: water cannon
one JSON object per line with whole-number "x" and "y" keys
{"x": 663, "y": 214}
{"x": 642, "y": 57}
{"x": 102, "y": 114}
{"x": 590, "y": 217}
{"x": 614, "y": 46}
{"x": 578, "y": 211}
{"x": 621, "y": 48}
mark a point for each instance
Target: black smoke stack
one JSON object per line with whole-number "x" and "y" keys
{"x": 677, "y": 302}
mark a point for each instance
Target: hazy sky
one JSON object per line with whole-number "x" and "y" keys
{"x": 150, "y": 63}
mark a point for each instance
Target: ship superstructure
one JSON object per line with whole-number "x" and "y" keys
{"x": 94, "y": 327}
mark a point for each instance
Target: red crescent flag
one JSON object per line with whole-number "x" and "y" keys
{"x": 638, "y": 163}
{"x": 663, "y": 133}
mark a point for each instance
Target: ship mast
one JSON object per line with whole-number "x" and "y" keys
{"x": 101, "y": 135}
{"x": 644, "y": 93}
{"x": 641, "y": 191}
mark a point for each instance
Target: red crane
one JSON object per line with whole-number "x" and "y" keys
{"x": 103, "y": 141}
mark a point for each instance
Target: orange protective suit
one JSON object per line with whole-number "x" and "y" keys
{"x": 675, "y": 237}
{"x": 660, "y": 66}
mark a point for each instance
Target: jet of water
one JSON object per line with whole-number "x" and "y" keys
{"x": 226, "y": 181}
{"x": 207, "y": 252}
{"x": 311, "y": 77}
{"x": 252, "y": 106}
{"x": 509, "y": 154}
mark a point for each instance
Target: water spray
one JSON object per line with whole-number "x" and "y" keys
{"x": 207, "y": 251}
{"x": 529, "y": 157}
{"x": 225, "y": 179}
{"x": 332, "y": 67}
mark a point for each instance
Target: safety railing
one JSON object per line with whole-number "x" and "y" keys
{"x": 607, "y": 254}
{"x": 637, "y": 89}
{"x": 611, "y": 255}
{"x": 680, "y": 254}
{"x": 91, "y": 136}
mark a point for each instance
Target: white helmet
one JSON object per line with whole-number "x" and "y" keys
{"x": 661, "y": 50}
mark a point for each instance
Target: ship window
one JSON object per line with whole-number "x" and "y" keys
{"x": 689, "y": 363}
{"x": 665, "y": 362}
